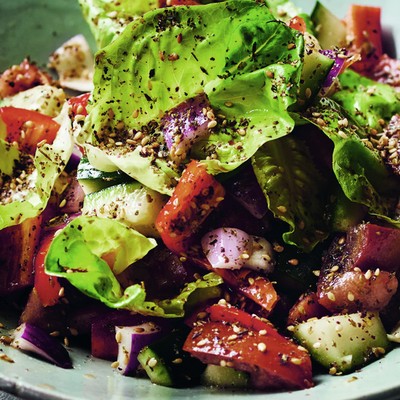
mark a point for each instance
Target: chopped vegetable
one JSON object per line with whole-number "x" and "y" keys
{"x": 249, "y": 344}
{"x": 194, "y": 198}
{"x": 32, "y": 339}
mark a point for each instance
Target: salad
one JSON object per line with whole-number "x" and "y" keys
{"x": 211, "y": 199}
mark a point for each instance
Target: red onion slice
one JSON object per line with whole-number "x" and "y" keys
{"x": 185, "y": 124}
{"x": 232, "y": 248}
{"x": 337, "y": 67}
{"x": 131, "y": 339}
{"x": 227, "y": 247}
{"x": 35, "y": 340}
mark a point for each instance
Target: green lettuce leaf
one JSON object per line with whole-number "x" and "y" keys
{"x": 45, "y": 99}
{"x": 295, "y": 190}
{"x": 76, "y": 255}
{"x": 247, "y": 62}
{"x": 358, "y": 168}
{"x": 108, "y": 18}
{"x": 283, "y": 9}
{"x": 49, "y": 161}
{"x": 367, "y": 101}
{"x": 9, "y": 156}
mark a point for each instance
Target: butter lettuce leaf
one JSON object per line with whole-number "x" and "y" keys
{"x": 367, "y": 101}
{"x": 77, "y": 252}
{"x": 108, "y": 18}
{"x": 48, "y": 163}
{"x": 248, "y": 63}
{"x": 9, "y": 156}
{"x": 295, "y": 190}
{"x": 358, "y": 167}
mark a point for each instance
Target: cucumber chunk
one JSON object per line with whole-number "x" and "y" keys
{"x": 92, "y": 180}
{"x": 167, "y": 364}
{"x": 131, "y": 203}
{"x": 226, "y": 377}
{"x": 329, "y": 29}
{"x": 343, "y": 343}
{"x": 315, "y": 70}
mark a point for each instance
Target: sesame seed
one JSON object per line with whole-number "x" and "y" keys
{"x": 350, "y": 296}
{"x": 115, "y": 364}
{"x": 335, "y": 268}
{"x": 212, "y": 124}
{"x": 293, "y": 261}
{"x": 368, "y": 274}
{"x": 152, "y": 362}
{"x": 118, "y": 337}
{"x": 332, "y": 371}
{"x": 342, "y": 134}
{"x": 262, "y": 347}
{"x": 316, "y": 345}
{"x": 291, "y": 46}
{"x": 331, "y": 296}
{"x": 232, "y": 337}
{"x": 296, "y": 361}
{"x": 63, "y": 203}
{"x": 61, "y": 292}
{"x": 209, "y": 114}
{"x": 262, "y": 332}
{"x": 202, "y": 342}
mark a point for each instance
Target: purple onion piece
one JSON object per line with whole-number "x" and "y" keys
{"x": 185, "y": 124}
{"x": 72, "y": 198}
{"x": 131, "y": 339}
{"x": 336, "y": 67}
{"x": 103, "y": 344}
{"x": 245, "y": 188}
{"x": 227, "y": 247}
{"x": 73, "y": 161}
{"x": 35, "y": 340}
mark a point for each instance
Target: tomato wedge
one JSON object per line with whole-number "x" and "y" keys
{"x": 298, "y": 23}
{"x": 78, "y": 104}
{"x": 235, "y": 338}
{"x": 28, "y": 128}
{"x": 306, "y": 307}
{"x": 248, "y": 283}
{"x": 193, "y": 199}
{"x": 364, "y": 27}
{"x": 47, "y": 287}
{"x": 22, "y": 77}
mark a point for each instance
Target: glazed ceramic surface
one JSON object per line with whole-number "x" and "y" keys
{"x": 35, "y": 28}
